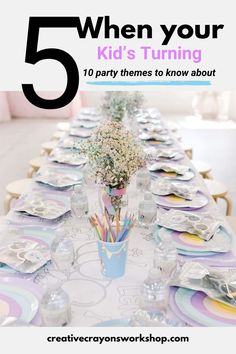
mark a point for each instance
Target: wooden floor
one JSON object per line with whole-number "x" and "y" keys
{"x": 20, "y": 140}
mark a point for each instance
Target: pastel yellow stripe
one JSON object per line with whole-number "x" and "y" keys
{"x": 168, "y": 174}
{"x": 191, "y": 238}
{"x": 220, "y": 309}
{"x": 174, "y": 199}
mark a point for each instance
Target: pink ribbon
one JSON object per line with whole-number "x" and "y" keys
{"x": 106, "y": 197}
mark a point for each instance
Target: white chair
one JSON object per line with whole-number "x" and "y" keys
{"x": 58, "y": 135}
{"x": 15, "y": 190}
{"x": 63, "y": 126}
{"x": 35, "y": 165}
{"x": 48, "y": 147}
{"x": 188, "y": 150}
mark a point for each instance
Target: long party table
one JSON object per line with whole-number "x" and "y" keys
{"x": 95, "y": 298}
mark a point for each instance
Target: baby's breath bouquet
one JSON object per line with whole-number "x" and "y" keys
{"x": 113, "y": 156}
{"x": 114, "y": 105}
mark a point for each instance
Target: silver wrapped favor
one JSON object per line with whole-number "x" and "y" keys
{"x": 218, "y": 284}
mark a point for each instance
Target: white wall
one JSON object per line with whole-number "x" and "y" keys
{"x": 232, "y": 106}
{"x": 169, "y": 101}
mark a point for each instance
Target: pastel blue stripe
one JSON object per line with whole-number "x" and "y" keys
{"x": 151, "y": 83}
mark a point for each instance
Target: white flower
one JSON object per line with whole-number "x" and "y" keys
{"x": 113, "y": 154}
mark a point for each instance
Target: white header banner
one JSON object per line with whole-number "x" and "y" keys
{"x": 123, "y": 45}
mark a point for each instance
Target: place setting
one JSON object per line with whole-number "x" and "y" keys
{"x": 153, "y": 128}
{"x": 58, "y": 179}
{"x": 19, "y": 302}
{"x": 201, "y": 237}
{"x": 204, "y": 296}
{"x": 167, "y": 154}
{"x": 47, "y": 206}
{"x": 144, "y": 116}
{"x": 20, "y": 239}
{"x": 172, "y": 171}
{"x": 70, "y": 142}
{"x": 155, "y": 139}
{"x": 178, "y": 195}
{"x": 80, "y": 132}
{"x": 67, "y": 157}
{"x": 89, "y": 114}
{"x": 25, "y": 254}
{"x": 82, "y": 123}
{"x": 194, "y": 234}
{"x": 24, "y": 251}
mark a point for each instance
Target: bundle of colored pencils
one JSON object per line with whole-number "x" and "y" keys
{"x": 107, "y": 232}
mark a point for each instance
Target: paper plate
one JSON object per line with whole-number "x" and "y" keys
{"x": 173, "y": 175}
{"x": 68, "y": 159}
{"x": 81, "y": 133}
{"x": 177, "y": 312}
{"x": 17, "y": 298}
{"x": 196, "y": 253}
{"x": 189, "y": 253}
{"x": 42, "y": 236}
{"x": 198, "y": 308}
{"x": 58, "y": 180}
{"x": 81, "y": 123}
{"x": 48, "y": 209}
{"x": 191, "y": 242}
{"x": 172, "y": 201}
{"x": 159, "y": 143}
{"x": 156, "y": 154}
{"x": 214, "y": 260}
{"x": 177, "y": 157}
{"x": 70, "y": 143}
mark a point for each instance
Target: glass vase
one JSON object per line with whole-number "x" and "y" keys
{"x": 113, "y": 202}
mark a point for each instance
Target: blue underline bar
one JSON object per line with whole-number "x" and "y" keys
{"x": 151, "y": 83}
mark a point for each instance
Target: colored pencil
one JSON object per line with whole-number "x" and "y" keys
{"x": 106, "y": 232}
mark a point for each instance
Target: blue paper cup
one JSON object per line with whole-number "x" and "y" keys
{"x": 113, "y": 258}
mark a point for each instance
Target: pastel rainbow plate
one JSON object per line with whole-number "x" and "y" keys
{"x": 185, "y": 241}
{"x": 172, "y": 201}
{"x": 197, "y": 309}
{"x": 196, "y": 253}
{"x": 187, "y": 176}
{"x": 19, "y": 298}
{"x": 158, "y": 143}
